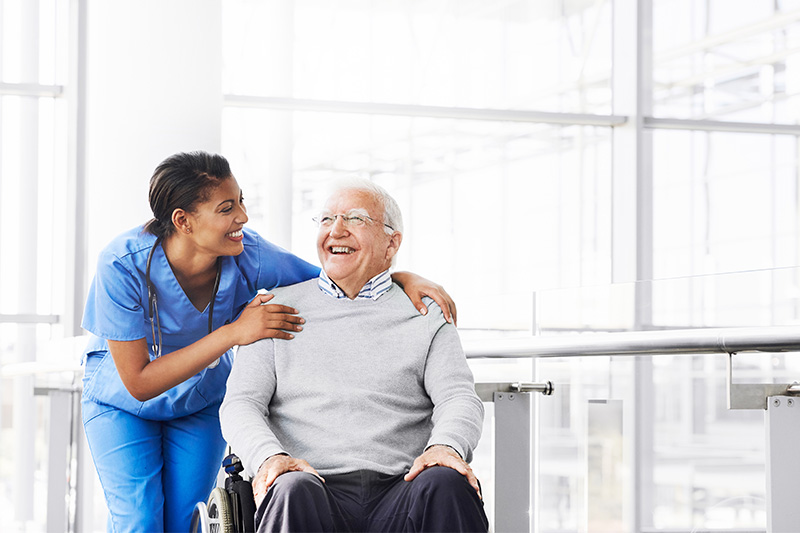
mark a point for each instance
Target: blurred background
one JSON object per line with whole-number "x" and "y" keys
{"x": 564, "y": 167}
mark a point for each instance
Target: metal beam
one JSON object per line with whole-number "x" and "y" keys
{"x": 461, "y": 113}
{"x": 721, "y": 126}
{"x": 29, "y": 318}
{"x": 31, "y": 89}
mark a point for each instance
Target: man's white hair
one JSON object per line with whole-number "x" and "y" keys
{"x": 391, "y": 211}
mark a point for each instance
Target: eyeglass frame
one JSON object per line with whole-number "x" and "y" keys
{"x": 346, "y": 219}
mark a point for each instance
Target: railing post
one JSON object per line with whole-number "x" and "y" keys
{"x": 512, "y": 452}
{"x": 782, "y": 424}
{"x": 58, "y": 445}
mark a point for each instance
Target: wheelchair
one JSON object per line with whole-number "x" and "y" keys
{"x": 230, "y": 509}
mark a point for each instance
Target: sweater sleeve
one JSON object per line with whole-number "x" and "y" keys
{"x": 457, "y": 409}
{"x": 244, "y": 411}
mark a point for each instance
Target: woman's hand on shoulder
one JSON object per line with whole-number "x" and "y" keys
{"x": 262, "y": 320}
{"x": 416, "y": 287}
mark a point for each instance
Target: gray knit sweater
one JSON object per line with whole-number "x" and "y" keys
{"x": 367, "y": 385}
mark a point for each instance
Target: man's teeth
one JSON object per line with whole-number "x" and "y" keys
{"x": 234, "y": 234}
{"x": 341, "y": 250}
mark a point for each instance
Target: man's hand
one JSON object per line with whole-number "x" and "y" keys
{"x": 441, "y": 455}
{"x": 273, "y": 467}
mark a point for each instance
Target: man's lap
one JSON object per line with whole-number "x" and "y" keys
{"x": 371, "y": 501}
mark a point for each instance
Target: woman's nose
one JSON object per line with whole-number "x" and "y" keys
{"x": 242, "y": 216}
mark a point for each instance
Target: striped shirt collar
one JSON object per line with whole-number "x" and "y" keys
{"x": 372, "y": 290}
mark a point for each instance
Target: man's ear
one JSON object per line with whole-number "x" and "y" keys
{"x": 395, "y": 239}
{"x": 180, "y": 220}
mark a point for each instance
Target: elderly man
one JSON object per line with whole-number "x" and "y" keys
{"x": 367, "y": 419}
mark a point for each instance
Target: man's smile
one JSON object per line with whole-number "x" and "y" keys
{"x": 341, "y": 250}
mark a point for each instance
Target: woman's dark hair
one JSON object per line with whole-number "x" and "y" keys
{"x": 182, "y": 181}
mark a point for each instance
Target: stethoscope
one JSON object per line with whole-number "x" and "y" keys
{"x": 152, "y": 304}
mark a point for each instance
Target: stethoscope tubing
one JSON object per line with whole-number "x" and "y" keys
{"x": 152, "y": 303}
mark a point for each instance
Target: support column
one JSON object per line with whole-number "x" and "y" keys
{"x": 24, "y": 412}
{"x": 76, "y": 275}
{"x": 632, "y": 247}
{"x": 278, "y": 192}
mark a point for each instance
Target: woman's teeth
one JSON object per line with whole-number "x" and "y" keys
{"x": 234, "y": 234}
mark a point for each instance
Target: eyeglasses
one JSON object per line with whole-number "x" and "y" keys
{"x": 325, "y": 220}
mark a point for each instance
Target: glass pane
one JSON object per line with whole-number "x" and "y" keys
{"x": 504, "y": 206}
{"x": 469, "y": 54}
{"x": 701, "y": 465}
{"x": 33, "y": 41}
{"x": 33, "y": 240}
{"x": 726, "y": 60}
{"x": 53, "y": 41}
{"x": 34, "y": 226}
{"x": 724, "y": 202}
{"x": 10, "y": 201}
{"x": 737, "y": 299}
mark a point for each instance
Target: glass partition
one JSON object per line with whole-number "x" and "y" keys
{"x": 522, "y": 55}
{"x": 689, "y": 462}
{"x": 726, "y": 60}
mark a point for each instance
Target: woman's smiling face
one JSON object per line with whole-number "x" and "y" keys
{"x": 216, "y": 224}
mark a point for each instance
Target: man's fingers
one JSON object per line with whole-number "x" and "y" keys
{"x": 416, "y": 468}
{"x": 448, "y": 460}
{"x": 465, "y": 470}
{"x": 311, "y": 470}
{"x": 272, "y": 475}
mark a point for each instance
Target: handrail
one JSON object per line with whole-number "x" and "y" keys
{"x": 678, "y": 341}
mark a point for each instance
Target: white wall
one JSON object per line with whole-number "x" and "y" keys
{"x": 154, "y": 88}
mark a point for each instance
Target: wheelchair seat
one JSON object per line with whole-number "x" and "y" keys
{"x": 229, "y": 510}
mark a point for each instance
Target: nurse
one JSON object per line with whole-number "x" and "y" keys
{"x": 168, "y": 302}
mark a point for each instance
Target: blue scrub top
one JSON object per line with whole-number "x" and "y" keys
{"x": 116, "y": 309}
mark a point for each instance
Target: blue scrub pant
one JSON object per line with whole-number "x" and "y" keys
{"x": 153, "y": 472}
{"x": 438, "y": 500}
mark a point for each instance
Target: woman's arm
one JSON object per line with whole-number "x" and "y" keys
{"x": 146, "y": 379}
{"x": 416, "y": 287}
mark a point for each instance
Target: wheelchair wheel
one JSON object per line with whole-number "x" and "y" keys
{"x": 199, "y": 518}
{"x": 220, "y": 516}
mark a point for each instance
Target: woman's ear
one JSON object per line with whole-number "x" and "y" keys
{"x": 181, "y": 221}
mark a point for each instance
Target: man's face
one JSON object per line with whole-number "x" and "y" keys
{"x": 352, "y": 255}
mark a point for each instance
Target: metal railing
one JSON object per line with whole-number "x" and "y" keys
{"x": 680, "y": 341}
{"x": 780, "y": 422}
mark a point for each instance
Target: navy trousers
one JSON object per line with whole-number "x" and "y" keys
{"x": 438, "y": 500}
